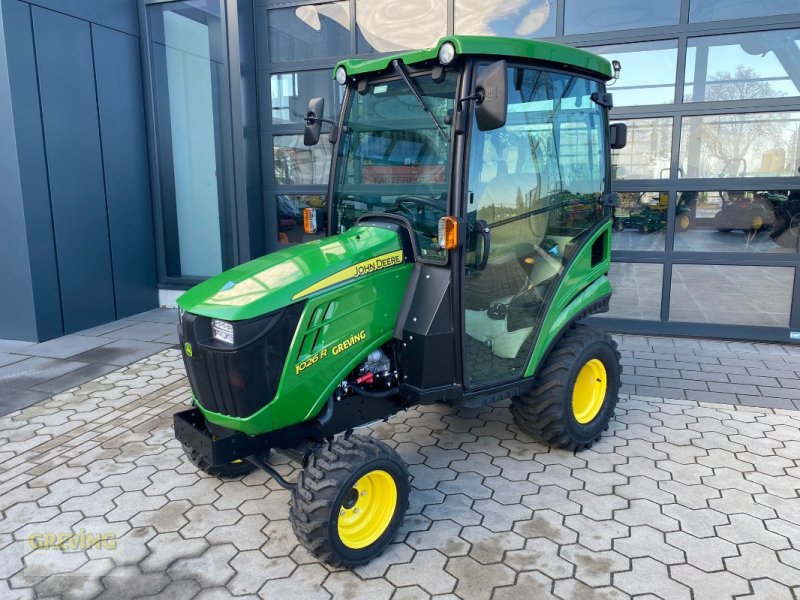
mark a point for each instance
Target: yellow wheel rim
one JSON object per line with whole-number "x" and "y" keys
{"x": 758, "y": 222}
{"x": 684, "y": 222}
{"x": 589, "y": 391}
{"x": 367, "y": 509}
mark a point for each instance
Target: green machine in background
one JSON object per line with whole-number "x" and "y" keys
{"x": 467, "y": 231}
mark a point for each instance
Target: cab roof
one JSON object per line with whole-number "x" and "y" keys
{"x": 502, "y": 47}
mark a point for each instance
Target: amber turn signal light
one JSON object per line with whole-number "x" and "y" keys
{"x": 309, "y": 220}
{"x": 448, "y": 233}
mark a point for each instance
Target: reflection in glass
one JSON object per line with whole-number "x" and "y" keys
{"x": 746, "y": 66}
{"x": 522, "y": 18}
{"x": 648, "y": 151}
{"x": 714, "y": 10}
{"x": 592, "y": 16}
{"x": 648, "y": 72}
{"x": 188, "y": 79}
{"x": 290, "y": 216}
{"x": 640, "y": 221}
{"x": 309, "y": 31}
{"x": 388, "y": 25}
{"x": 637, "y": 291}
{"x": 291, "y": 92}
{"x": 745, "y": 145}
{"x": 738, "y": 221}
{"x": 298, "y": 164}
{"x": 731, "y": 294}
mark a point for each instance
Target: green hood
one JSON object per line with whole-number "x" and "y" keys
{"x": 280, "y": 278}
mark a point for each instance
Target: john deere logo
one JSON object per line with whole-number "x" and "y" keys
{"x": 187, "y": 349}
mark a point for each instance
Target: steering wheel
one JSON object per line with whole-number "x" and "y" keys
{"x": 417, "y": 209}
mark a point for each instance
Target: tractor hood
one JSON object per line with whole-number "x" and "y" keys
{"x": 281, "y": 278}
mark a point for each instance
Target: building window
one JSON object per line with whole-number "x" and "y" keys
{"x": 189, "y": 90}
{"x": 298, "y": 164}
{"x": 290, "y": 93}
{"x": 755, "y": 221}
{"x": 593, "y": 16}
{"x": 637, "y": 291}
{"x": 731, "y": 294}
{"x": 715, "y": 10}
{"x": 640, "y": 221}
{"x": 744, "y": 66}
{"x": 309, "y": 31}
{"x": 647, "y": 154}
{"x": 648, "y": 72}
{"x": 525, "y": 18}
{"x": 389, "y": 25}
{"x": 743, "y": 145}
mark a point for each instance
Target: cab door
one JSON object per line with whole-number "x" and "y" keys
{"x": 532, "y": 189}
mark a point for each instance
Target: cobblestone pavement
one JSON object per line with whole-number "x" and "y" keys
{"x": 747, "y": 373}
{"x": 678, "y": 500}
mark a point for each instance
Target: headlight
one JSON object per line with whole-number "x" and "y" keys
{"x": 341, "y": 76}
{"x": 222, "y": 331}
{"x": 447, "y": 53}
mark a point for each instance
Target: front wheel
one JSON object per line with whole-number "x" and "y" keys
{"x": 350, "y": 500}
{"x": 575, "y": 391}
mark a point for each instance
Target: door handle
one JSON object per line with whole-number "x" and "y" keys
{"x": 483, "y": 228}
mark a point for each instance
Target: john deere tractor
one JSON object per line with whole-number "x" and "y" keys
{"x": 467, "y": 231}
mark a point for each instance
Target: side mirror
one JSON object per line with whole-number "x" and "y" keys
{"x": 617, "y": 136}
{"x": 313, "y": 129}
{"x": 491, "y": 107}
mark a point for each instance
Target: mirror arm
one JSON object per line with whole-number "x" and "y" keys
{"x": 478, "y": 97}
{"x": 312, "y": 120}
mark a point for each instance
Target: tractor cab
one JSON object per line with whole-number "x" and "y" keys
{"x": 495, "y": 172}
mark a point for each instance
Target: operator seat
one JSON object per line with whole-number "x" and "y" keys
{"x": 513, "y": 243}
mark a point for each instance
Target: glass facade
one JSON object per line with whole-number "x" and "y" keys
{"x": 649, "y": 71}
{"x": 708, "y": 185}
{"x": 525, "y": 18}
{"x": 188, "y": 74}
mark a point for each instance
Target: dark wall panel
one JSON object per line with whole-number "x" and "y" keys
{"x": 117, "y": 14}
{"x": 72, "y": 141}
{"x": 32, "y": 171}
{"x": 18, "y": 320}
{"x": 122, "y": 129}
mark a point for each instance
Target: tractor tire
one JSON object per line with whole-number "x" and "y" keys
{"x": 683, "y": 222}
{"x": 350, "y": 500}
{"x": 233, "y": 470}
{"x": 575, "y": 391}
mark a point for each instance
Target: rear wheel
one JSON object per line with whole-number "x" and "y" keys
{"x": 350, "y": 500}
{"x": 575, "y": 391}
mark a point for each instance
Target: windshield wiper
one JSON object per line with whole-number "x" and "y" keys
{"x": 401, "y": 70}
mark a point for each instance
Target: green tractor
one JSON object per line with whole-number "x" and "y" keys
{"x": 467, "y": 231}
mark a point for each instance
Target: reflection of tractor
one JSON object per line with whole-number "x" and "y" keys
{"x": 652, "y": 215}
{"x": 744, "y": 211}
{"x": 786, "y": 226}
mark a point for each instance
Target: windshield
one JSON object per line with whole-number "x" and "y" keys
{"x": 394, "y": 159}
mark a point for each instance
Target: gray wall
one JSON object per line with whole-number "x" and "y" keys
{"x": 84, "y": 192}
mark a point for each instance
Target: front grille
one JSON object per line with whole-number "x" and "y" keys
{"x": 238, "y": 380}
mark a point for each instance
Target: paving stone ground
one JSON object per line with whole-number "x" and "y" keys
{"x": 680, "y": 500}
{"x": 31, "y": 372}
{"x": 745, "y": 373}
